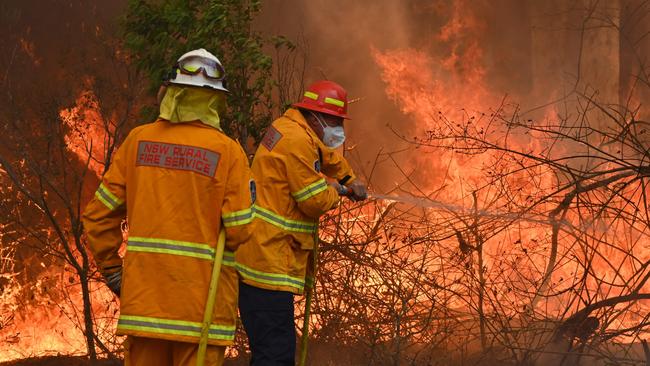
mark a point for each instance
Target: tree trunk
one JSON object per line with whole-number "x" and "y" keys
{"x": 478, "y": 242}
{"x": 89, "y": 329}
{"x": 481, "y": 296}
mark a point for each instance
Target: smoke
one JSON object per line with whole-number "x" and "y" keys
{"x": 454, "y": 54}
{"x": 409, "y": 60}
{"x": 342, "y": 36}
{"x": 55, "y": 57}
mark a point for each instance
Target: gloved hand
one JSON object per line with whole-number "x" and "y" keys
{"x": 359, "y": 191}
{"x": 340, "y": 189}
{"x": 114, "y": 282}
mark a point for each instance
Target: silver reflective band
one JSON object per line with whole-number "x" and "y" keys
{"x": 310, "y": 191}
{"x": 283, "y": 223}
{"x": 107, "y": 198}
{"x": 270, "y": 278}
{"x": 241, "y": 217}
{"x": 175, "y": 327}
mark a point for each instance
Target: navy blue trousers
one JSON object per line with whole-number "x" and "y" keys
{"x": 268, "y": 319}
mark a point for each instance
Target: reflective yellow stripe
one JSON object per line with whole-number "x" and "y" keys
{"x": 310, "y": 191}
{"x": 228, "y": 259}
{"x": 107, "y": 198}
{"x": 270, "y": 278}
{"x": 336, "y": 102}
{"x": 104, "y": 201}
{"x": 111, "y": 195}
{"x": 311, "y": 95}
{"x": 174, "y": 327}
{"x": 174, "y": 247}
{"x": 283, "y": 223}
{"x": 240, "y": 217}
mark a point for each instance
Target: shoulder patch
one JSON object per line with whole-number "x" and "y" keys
{"x": 271, "y": 138}
{"x": 180, "y": 157}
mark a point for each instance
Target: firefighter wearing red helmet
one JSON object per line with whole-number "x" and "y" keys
{"x": 289, "y": 168}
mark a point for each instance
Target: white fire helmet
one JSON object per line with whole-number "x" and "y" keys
{"x": 199, "y": 68}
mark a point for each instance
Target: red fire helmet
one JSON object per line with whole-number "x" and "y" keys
{"x": 326, "y": 97}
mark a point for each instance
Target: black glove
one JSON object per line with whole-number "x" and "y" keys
{"x": 359, "y": 191}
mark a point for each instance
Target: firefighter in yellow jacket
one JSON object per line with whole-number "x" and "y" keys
{"x": 176, "y": 181}
{"x": 296, "y": 153}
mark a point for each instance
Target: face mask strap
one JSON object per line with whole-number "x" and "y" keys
{"x": 322, "y": 124}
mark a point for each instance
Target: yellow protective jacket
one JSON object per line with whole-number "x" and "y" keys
{"x": 174, "y": 183}
{"x": 291, "y": 195}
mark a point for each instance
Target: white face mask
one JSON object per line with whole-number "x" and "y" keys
{"x": 332, "y": 136}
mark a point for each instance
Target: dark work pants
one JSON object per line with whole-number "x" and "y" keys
{"x": 268, "y": 320}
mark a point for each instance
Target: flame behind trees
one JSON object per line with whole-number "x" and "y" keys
{"x": 547, "y": 262}
{"x": 541, "y": 255}
{"x": 542, "y": 251}
{"x": 60, "y": 122}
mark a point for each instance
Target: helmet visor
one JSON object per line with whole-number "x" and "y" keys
{"x": 196, "y": 64}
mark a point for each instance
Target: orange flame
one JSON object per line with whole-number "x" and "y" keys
{"x": 44, "y": 317}
{"x": 88, "y": 131}
{"x": 451, "y": 88}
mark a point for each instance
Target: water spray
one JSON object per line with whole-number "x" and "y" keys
{"x": 434, "y": 204}
{"x": 428, "y": 203}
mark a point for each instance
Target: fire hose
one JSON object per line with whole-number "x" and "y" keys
{"x": 212, "y": 296}
{"x": 343, "y": 191}
{"x": 304, "y": 339}
{"x": 308, "y": 296}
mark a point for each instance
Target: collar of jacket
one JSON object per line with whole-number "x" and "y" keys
{"x": 185, "y": 104}
{"x": 296, "y": 116}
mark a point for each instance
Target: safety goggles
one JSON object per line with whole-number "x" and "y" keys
{"x": 196, "y": 64}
